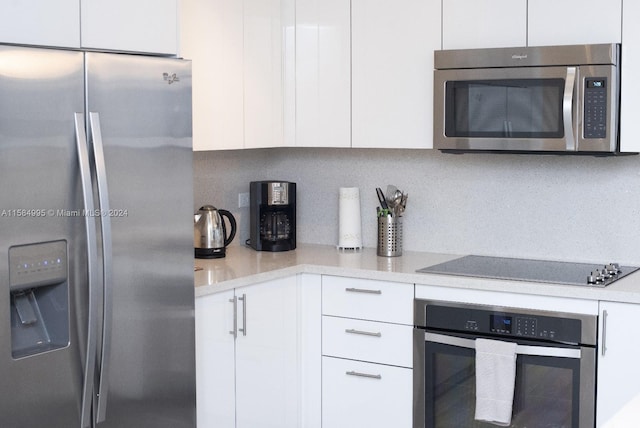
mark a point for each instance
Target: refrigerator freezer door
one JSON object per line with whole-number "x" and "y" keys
{"x": 43, "y": 295}
{"x": 143, "y": 107}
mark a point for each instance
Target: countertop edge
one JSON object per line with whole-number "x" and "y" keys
{"x": 626, "y": 290}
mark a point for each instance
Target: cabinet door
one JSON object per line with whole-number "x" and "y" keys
{"x": 573, "y": 22}
{"x": 310, "y": 349}
{"x": 267, "y": 393}
{"x": 41, "y": 22}
{"x": 211, "y": 36}
{"x": 618, "y": 403}
{"x": 323, "y": 73}
{"x": 364, "y": 395}
{"x": 215, "y": 360}
{"x": 392, "y": 72}
{"x": 468, "y": 24}
{"x": 629, "y": 106}
{"x": 263, "y": 74}
{"x": 140, "y": 26}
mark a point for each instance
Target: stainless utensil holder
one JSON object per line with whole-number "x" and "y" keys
{"x": 389, "y": 236}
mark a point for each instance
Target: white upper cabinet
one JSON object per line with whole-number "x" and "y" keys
{"x": 574, "y": 22}
{"x": 149, "y": 26}
{"x": 468, "y": 24}
{"x": 323, "y": 73}
{"x": 392, "y": 72}
{"x": 263, "y": 73}
{"x": 41, "y": 22}
{"x": 211, "y": 34}
{"x": 242, "y": 71}
{"x": 629, "y": 106}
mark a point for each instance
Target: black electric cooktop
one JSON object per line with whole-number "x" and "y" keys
{"x": 532, "y": 270}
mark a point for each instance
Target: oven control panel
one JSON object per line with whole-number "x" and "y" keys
{"x": 504, "y": 324}
{"x": 526, "y": 326}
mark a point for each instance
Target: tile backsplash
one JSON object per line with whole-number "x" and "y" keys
{"x": 575, "y": 208}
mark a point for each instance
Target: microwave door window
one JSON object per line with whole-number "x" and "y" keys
{"x": 526, "y": 108}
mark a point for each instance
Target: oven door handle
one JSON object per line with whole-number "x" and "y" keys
{"x": 542, "y": 351}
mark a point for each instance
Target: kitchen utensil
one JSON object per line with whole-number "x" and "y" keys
{"x": 381, "y": 199}
{"x": 403, "y": 204}
{"x": 210, "y": 237}
{"x": 391, "y": 190}
{"x": 396, "y": 199}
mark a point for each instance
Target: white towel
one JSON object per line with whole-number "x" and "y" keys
{"x": 495, "y": 381}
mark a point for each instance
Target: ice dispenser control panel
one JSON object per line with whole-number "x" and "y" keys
{"x": 39, "y": 298}
{"x": 37, "y": 264}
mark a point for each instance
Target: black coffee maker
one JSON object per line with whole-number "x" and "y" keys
{"x": 273, "y": 215}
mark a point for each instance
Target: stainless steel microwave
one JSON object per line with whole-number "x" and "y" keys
{"x": 553, "y": 99}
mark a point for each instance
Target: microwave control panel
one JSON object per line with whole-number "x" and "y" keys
{"x": 595, "y": 107}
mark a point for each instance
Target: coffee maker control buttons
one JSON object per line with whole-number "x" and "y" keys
{"x": 278, "y": 194}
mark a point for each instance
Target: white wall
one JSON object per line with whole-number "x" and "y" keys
{"x": 538, "y": 206}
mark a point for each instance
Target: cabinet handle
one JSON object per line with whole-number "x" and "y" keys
{"x": 235, "y": 316}
{"x": 363, "y": 290}
{"x": 244, "y": 314}
{"x": 367, "y": 375}
{"x": 605, "y": 314}
{"x": 364, "y": 333}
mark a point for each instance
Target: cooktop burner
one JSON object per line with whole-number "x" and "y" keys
{"x": 532, "y": 270}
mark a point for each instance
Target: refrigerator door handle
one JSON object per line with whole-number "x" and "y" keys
{"x": 92, "y": 258}
{"x": 105, "y": 222}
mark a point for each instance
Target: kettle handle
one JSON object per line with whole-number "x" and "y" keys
{"x": 232, "y": 221}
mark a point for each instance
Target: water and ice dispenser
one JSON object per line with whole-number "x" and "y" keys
{"x": 39, "y": 287}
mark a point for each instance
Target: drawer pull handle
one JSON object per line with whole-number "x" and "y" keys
{"x": 367, "y": 375}
{"x": 364, "y": 333}
{"x": 363, "y": 290}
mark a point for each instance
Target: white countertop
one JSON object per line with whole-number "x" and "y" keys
{"x": 243, "y": 266}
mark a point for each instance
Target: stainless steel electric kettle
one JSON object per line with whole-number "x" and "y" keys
{"x": 210, "y": 237}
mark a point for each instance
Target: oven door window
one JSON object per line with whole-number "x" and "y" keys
{"x": 508, "y": 108}
{"x": 547, "y": 392}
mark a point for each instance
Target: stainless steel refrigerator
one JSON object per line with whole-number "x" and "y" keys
{"x": 96, "y": 253}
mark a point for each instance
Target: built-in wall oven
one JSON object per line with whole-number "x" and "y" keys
{"x": 555, "y": 365}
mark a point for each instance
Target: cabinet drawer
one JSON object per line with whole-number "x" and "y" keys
{"x": 365, "y": 395}
{"x": 367, "y": 299}
{"x": 367, "y": 341}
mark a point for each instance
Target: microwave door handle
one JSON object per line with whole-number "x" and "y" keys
{"x": 92, "y": 261}
{"x": 542, "y": 351}
{"x": 567, "y": 109}
{"x": 107, "y": 260}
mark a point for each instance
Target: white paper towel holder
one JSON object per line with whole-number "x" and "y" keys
{"x": 349, "y": 219}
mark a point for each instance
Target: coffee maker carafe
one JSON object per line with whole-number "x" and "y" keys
{"x": 273, "y": 215}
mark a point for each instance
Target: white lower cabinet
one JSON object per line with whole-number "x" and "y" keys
{"x": 367, "y": 358}
{"x": 358, "y": 394}
{"x": 260, "y": 378}
{"x": 618, "y": 394}
{"x": 215, "y": 361}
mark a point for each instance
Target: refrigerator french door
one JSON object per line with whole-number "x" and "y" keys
{"x": 96, "y": 259}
